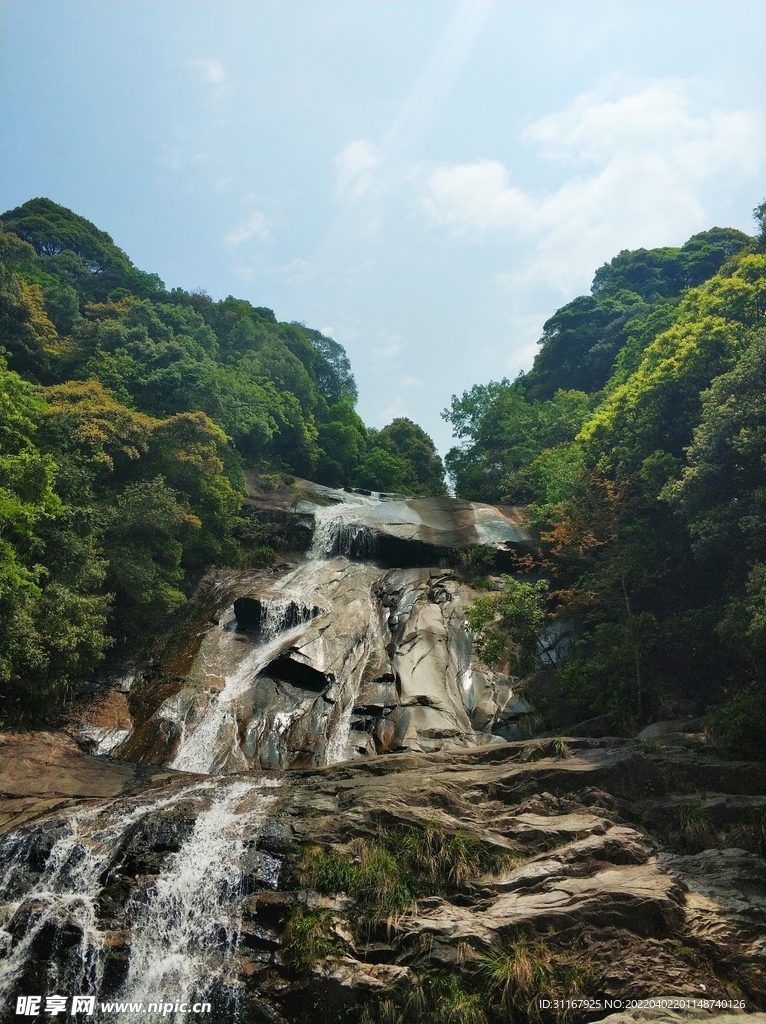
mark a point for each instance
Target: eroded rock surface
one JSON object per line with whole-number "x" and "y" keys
{"x": 396, "y": 529}
{"x": 309, "y": 812}
{"x": 572, "y": 865}
{"x": 43, "y": 771}
{"x": 327, "y": 656}
{"x": 323, "y": 661}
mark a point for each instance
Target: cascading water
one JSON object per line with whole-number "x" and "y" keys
{"x": 338, "y": 532}
{"x": 184, "y": 926}
{"x": 281, "y": 614}
{"x": 186, "y": 936}
{"x": 66, "y": 892}
{"x": 148, "y": 899}
{"x": 221, "y": 729}
{"x": 204, "y": 727}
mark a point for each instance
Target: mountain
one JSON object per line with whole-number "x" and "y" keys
{"x": 337, "y": 755}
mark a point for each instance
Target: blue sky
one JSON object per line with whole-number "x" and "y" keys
{"x": 424, "y": 181}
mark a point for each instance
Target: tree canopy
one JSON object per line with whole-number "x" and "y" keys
{"x": 127, "y": 415}
{"x": 639, "y": 440}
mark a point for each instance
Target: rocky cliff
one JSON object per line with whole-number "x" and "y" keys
{"x": 331, "y": 654}
{"x": 306, "y": 803}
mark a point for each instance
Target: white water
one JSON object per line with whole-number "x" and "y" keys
{"x": 104, "y": 740}
{"x": 280, "y": 614}
{"x": 210, "y": 741}
{"x": 201, "y": 740}
{"x": 185, "y": 937}
{"x": 337, "y": 530}
{"x": 69, "y": 885}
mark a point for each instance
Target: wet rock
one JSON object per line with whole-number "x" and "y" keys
{"x": 348, "y": 979}
{"x": 290, "y": 667}
{"x": 390, "y": 668}
{"x": 43, "y": 771}
{"x": 106, "y": 722}
{"x": 260, "y": 870}
{"x": 260, "y": 937}
{"x": 569, "y": 872}
{"x": 261, "y": 616}
{"x": 147, "y": 844}
{"x": 420, "y": 528}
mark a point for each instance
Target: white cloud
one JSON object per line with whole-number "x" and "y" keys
{"x": 210, "y": 70}
{"x": 353, "y": 169}
{"x": 386, "y": 351}
{"x": 594, "y": 128}
{"x": 476, "y": 198}
{"x": 256, "y": 226}
{"x": 639, "y": 169}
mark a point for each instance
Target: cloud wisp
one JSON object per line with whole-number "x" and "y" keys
{"x": 359, "y": 164}
{"x": 638, "y": 168}
{"x": 209, "y": 69}
{"x": 255, "y": 227}
{"x": 438, "y": 75}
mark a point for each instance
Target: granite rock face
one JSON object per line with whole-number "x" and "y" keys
{"x": 336, "y": 660}
{"x": 302, "y": 808}
{"x": 569, "y": 864}
{"x": 398, "y": 530}
{"x": 331, "y": 655}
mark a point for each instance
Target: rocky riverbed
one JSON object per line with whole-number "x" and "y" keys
{"x": 595, "y": 870}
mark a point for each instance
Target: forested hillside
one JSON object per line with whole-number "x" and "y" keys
{"x": 639, "y": 440}
{"x": 127, "y": 415}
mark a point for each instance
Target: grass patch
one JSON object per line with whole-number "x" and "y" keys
{"x": 272, "y": 480}
{"x": 371, "y": 876}
{"x": 306, "y": 939}
{"x": 561, "y": 748}
{"x": 442, "y": 859}
{"x": 389, "y": 872}
{"x": 517, "y": 976}
{"x": 436, "y": 998}
{"x": 695, "y": 831}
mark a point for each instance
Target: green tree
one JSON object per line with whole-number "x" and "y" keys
{"x": 508, "y": 625}
{"x": 502, "y": 434}
{"x": 49, "y": 632}
{"x": 407, "y": 441}
{"x": 76, "y": 252}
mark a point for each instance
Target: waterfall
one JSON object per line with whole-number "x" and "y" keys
{"x": 281, "y": 614}
{"x": 185, "y": 937}
{"x": 184, "y": 929}
{"x": 199, "y": 746}
{"x": 216, "y": 736}
{"x": 68, "y": 887}
{"x": 338, "y": 532}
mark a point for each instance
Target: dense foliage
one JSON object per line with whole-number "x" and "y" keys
{"x": 639, "y": 440}
{"x": 127, "y": 415}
